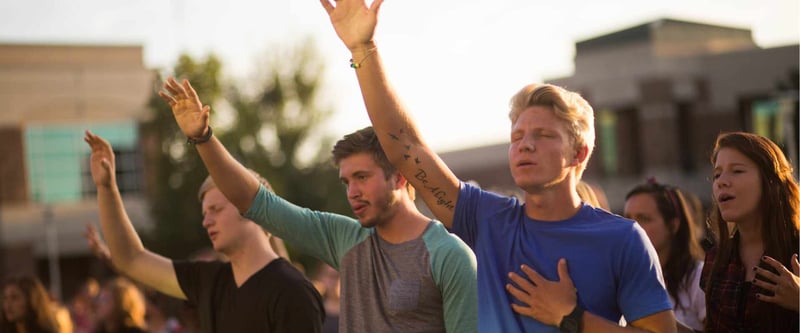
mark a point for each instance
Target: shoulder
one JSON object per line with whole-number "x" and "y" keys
{"x": 196, "y": 268}
{"x": 475, "y": 194}
{"x": 439, "y": 240}
{"x": 288, "y": 281}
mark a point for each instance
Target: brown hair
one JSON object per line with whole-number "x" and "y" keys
{"x": 779, "y": 207}
{"x": 685, "y": 250}
{"x": 365, "y": 141}
{"x": 40, "y": 314}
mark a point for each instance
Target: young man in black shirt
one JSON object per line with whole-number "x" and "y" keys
{"x": 257, "y": 291}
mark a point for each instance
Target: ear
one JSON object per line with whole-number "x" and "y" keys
{"x": 400, "y": 181}
{"x": 581, "y": 153}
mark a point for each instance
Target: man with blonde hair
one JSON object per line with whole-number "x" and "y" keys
{"x": 522, "y": 247}
{"x": 255, "y": 291}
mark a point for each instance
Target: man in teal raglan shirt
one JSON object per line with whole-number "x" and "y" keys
{"x": 400, "y": 271}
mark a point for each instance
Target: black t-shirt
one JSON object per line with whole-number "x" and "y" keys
{"x": 277, "y": 298}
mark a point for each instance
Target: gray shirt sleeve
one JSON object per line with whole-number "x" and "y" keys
{"x": 326, "y": 236}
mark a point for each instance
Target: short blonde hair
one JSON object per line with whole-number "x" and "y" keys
{"x": 277, "y": 244}
{"x": 209, "y": 184}
{"x": 567, "y": 106}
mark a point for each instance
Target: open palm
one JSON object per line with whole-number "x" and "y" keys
{"x": 353, "y": 21}
{"x": 102, "y": 163}
{"x": 191, "y": 115}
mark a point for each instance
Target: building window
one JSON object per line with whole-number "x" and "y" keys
{"x": 608, "y": 137}
{"x": 619, "y": 142}
{"x": 686, "y": 137}
{"x": 777, "y": 119}
{"x": 58, "y": 160}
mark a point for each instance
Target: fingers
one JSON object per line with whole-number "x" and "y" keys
{"x": 106, "y": 165}
{"x": 775, "y": 264}
{"x": 766, "y": 298}
{"x": 765, "y": 284}
{"x": 206, "y": 113}
{"x": 765, "y": 275}
{"x": 167, "y": 98}
{"x": 522, "y": 282}
{"x": 376, "y": 6}
{"x": 523, "y": 310}
{"x": 187, "y": 87}
{"x": 795, "y": 265}
{"x": 173, "y": 87}
{"x": 327, "y": 5}
{"x": 769, "y": 276}
{"x": 533, "y": 275}
{"x": 517, "y": 293}
{"x": 563, "y": 271}
{"x": 96, "y": 142}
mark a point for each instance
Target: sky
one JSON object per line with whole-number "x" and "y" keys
{"x": 455, "y": 64}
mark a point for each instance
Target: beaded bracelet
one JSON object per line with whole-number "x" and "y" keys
{"x": 357, "y": 65}
{"x": 204, "y": 139}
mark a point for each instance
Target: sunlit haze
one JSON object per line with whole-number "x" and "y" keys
{"x": 454, "y": 63}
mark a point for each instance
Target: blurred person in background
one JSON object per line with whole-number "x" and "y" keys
{"x": 327, "y": 281}
{"x": 120, "y": 308}
{"x": 27, "y": 307}
{"x": 81, "y": 306}
{"x": 751, "y": 275}
{"x": 592, "y": 195}
{"x": 666, "y": 217}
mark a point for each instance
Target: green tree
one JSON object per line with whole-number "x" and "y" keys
{"x": 277, "y": 132}
{"x": 274, "y": 129}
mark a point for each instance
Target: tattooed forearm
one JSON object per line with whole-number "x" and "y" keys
{"x": 441, "y": 196}
{"x": 422, "y": 176}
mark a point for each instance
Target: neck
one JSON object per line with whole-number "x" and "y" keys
{"x": 554, "y": 203}
{"x": 406, "y": 224}
{"x": 663, "y": 255}
{"x": 250, "y": 256}
{"x": 21, "y": 327}
{"x": 749, "y": 233}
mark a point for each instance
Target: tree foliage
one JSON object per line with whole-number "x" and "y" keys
{"x": 275, "y": 130}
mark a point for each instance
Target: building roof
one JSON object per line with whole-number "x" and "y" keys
{"x": 645, "y": 33}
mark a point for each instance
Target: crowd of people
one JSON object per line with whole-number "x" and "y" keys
{"x": 551, "y": 258}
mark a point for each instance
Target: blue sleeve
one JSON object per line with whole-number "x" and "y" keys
{"x": 326, "y": 236}
{"x": 641, "y": 286}
{"x": 465, "y": 217}
{"x": 454, "y": 270}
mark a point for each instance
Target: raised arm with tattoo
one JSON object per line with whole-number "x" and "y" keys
{"x": 404, "y": 146}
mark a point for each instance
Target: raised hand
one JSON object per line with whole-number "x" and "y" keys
{"x": 191, "y": 115}
{"x": 547, "y": 301}
{"x": 102, "y": 162}
{"x": 785, "y": 285}
{"x": 96, "y": 245}
{"x": 354, "y": 22}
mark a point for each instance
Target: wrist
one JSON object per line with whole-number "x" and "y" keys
{"x": 207, "y": 133}
{"x": 362, "y": 49}
{"x": 110, "y": 187}
{"x": 572, "y": 322}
